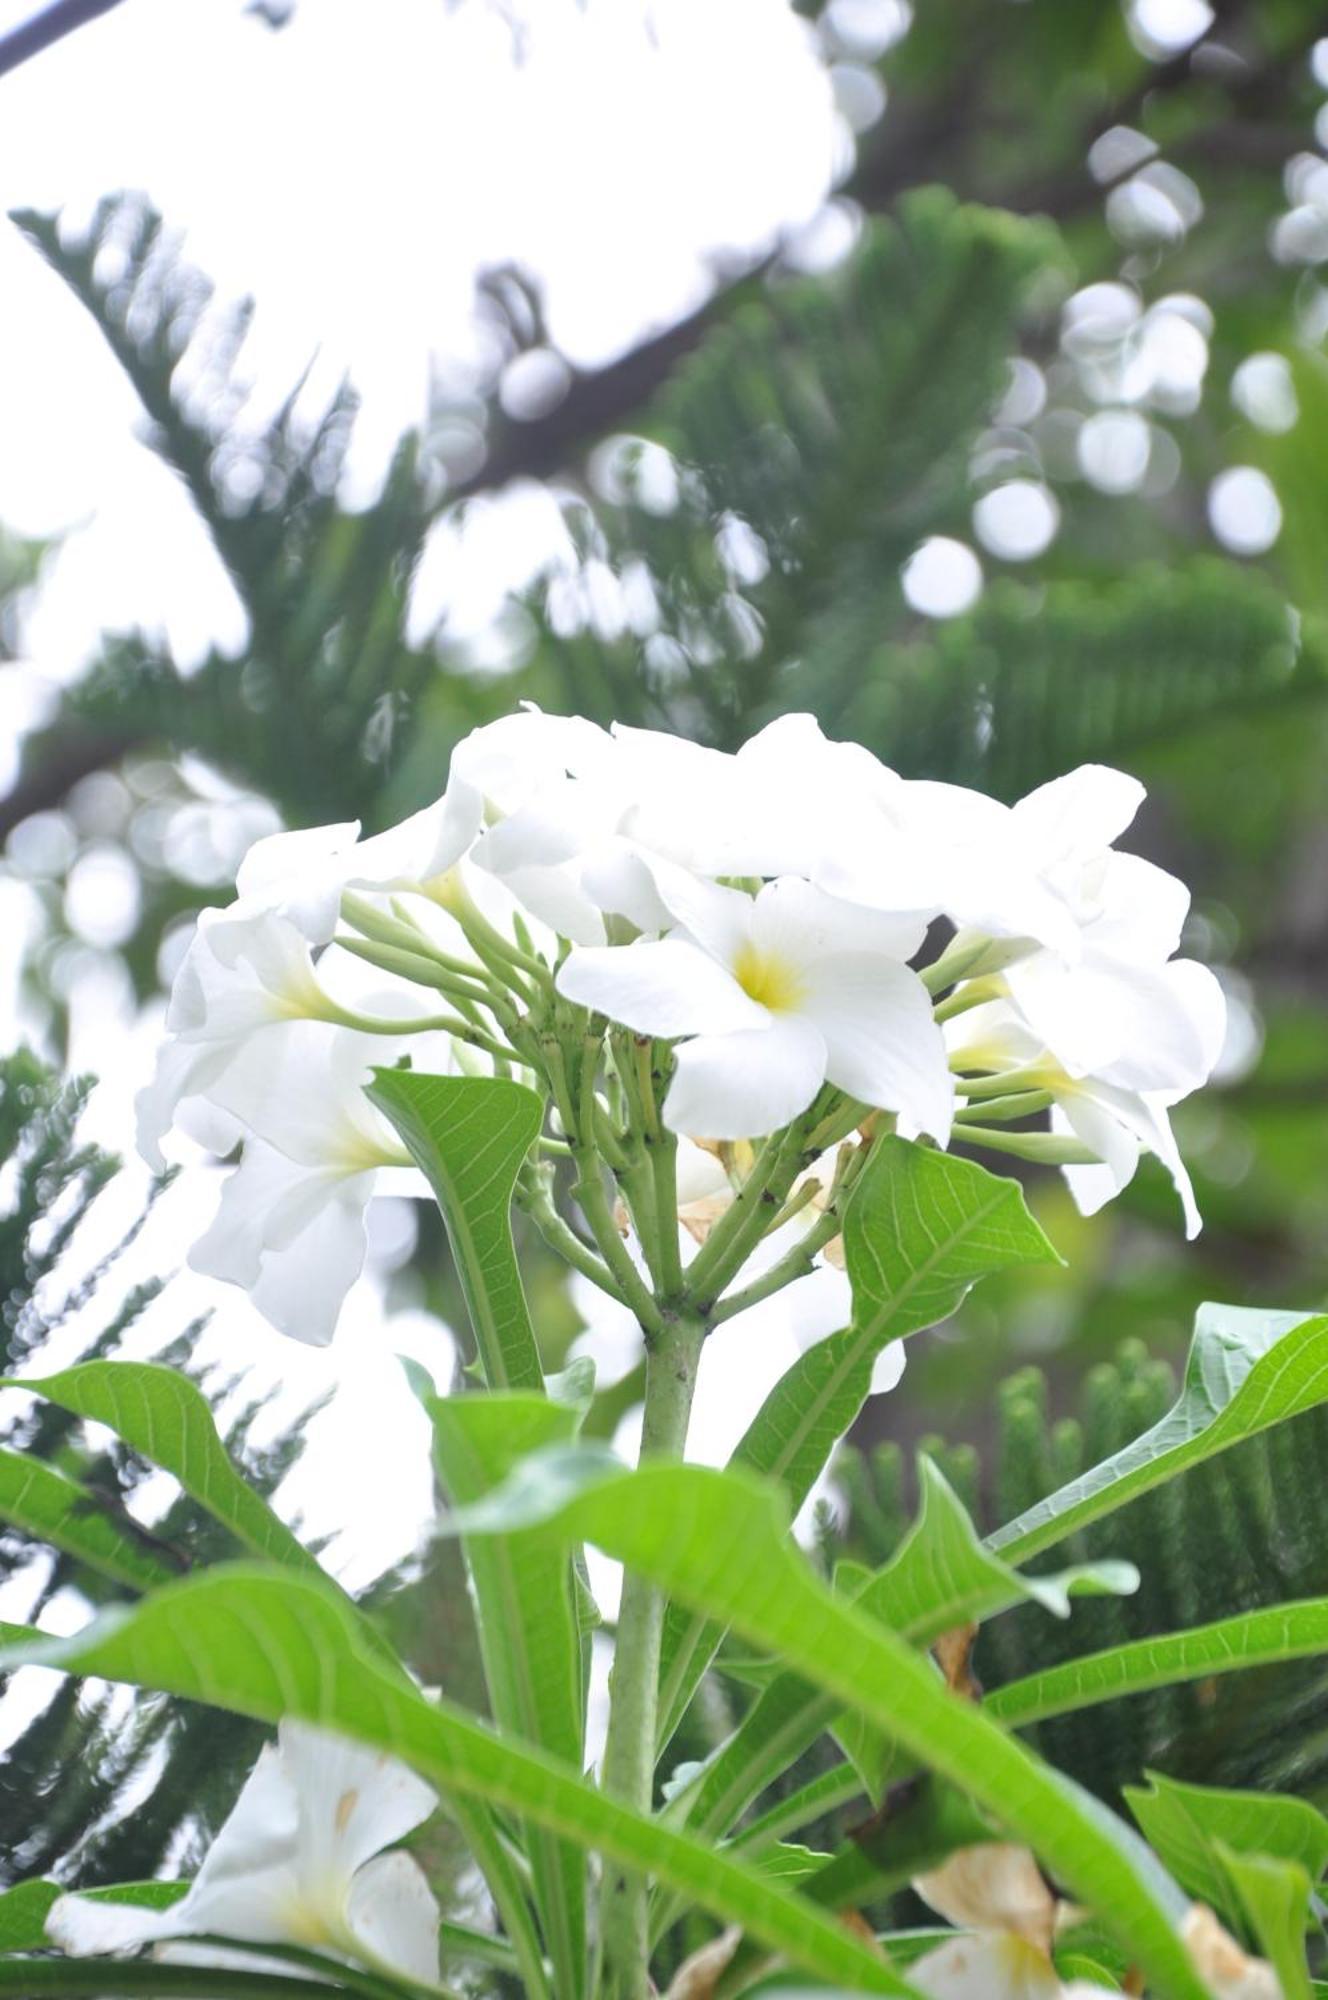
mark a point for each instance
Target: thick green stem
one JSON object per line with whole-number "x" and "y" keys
{"x": 629, "y": 1751}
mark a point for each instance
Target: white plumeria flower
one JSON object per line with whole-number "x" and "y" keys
{"x": 1116, "y": 1122}
{"x": 239, "y": 975}
{"x": 242, "y": 977}
{"x": 1006, "y": 1914}
{"x": 302, "y": 876}
{"x": 1145, "y": 1027}
{"x": 779, "y": 993}
{"x": 300, "y": 1861}
{"x": 1041, "y": 872}
{"x": 290, "y": 1227}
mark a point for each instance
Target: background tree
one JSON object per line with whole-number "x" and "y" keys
{"x": 1029, "y": 474}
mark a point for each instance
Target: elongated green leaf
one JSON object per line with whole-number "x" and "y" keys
{"x": 1251, "y": 1639}
{"x": 940, "y": 1577}
{"x": 42, "y": 1502}
{"x": 470, "y": 1135}
{"x": 24, "y": 1910}
{"x": 161, "y": 1415}
{"x": 1274, "y": 1897}
{"x": 266, "y": 1643}
{"x": 921, "y": 1229}
{"x": 1246, "y": 1370}
{"x": 86, "y": 1979}
{"x": 1186, "y": 1825}
{"x": 529, "y": 1629}
{"x": 720, "y": 1541}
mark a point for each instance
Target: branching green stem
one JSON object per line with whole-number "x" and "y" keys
{"x": 673, "y": 1354}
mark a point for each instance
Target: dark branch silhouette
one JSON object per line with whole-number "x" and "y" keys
{"x": 50, "y": 24}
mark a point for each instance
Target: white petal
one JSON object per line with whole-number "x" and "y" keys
{"x": 802, "y": 923}
{"x": 182, "y": 1069}
{"x": 1141, "y": 909}
{"x": 1144, "y": 1117}
{"x": 301, "y": 1285}
{"x": 699, "y": 1174}
{"x": 353, "y": 1801}
{"x": 818, "y": 1305}
{"x": 86, "y": 1929}
{"x": 395, "y": 1915}
{"x": 743, "y": 1085}
{"x": 427, "y": 844}
{"x": 985, "y": 1968}
{"x": 1102, "y": 1132}
{"x": 994, "y": 1886}
{"x": 556, "y": 897}
{"x": 1087, "y": 809}
{"x": 618, "y": 880}
{"x": 300, "y": 874}
{"x": 883, "y": 1043}
{"x": 719, "y": 920}
{"x": 887, "y": 1368}
{"x": 666, "y": 987}
{"x": 300, "y": 1088}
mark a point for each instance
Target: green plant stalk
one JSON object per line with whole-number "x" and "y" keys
{"x": 535, "y": 1199}
{"x": 673, "y": 1354}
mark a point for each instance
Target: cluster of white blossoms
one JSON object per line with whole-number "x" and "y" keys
{"x": 788, "y": 922}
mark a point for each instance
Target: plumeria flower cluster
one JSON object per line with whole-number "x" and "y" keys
{"x": 771, "y": 953}
{"x": 308, "y": 1858}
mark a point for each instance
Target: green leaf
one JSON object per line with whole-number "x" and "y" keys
{"x": 720, "y": 1541}
{"x": 1246, "y": 1371}
{"x": 42, "y": 1502}
{"x": 160, "y": 1414}
{"x": 1275, "y": 1900}
{"x": 921, "y": 1229}
{"x": 470, "y": 1136}
{"x": 267, "y": 1644}
{"x": 940, "y": 1577}
{"x": 24, "y": 1910}
{"x": 530, "y": 1634}
{"x": 88, "y": 1979}
{"x": 1251, "y": 1639}
{"x": 1187, "y": 1824}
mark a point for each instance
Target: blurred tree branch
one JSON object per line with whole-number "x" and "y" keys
{"x": 49, "y": 25}
{"x": 919, "y": 142}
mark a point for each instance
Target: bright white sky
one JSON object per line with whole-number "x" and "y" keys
{"x": 354, "y": 173}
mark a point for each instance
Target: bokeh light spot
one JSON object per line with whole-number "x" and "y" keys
{"x": 942, "y": 578}
{"x": 1017, "y": 521}
{"x": 1244, "y": 511}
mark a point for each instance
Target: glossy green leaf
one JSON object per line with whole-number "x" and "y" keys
{"x": 530, "y": 1635}
{"x": 266, "y": 1644}
{"x": 1274, "y": 1897}
{"x": 721, "y": 1542}
{"x": 45, "y": 1504}
{"x": 470, "y": 1135}
{"x": 1186, "y": 1824}
{"x": 160, "y": 1414}
{"x": 921, "y": 1229}
{"x": 1251, "y": 1639}
{"x": 1246, "y": 1371}
{"x": 940, "y": 1577}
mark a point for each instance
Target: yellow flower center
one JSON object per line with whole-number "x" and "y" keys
{"x": 769, "y": 980}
